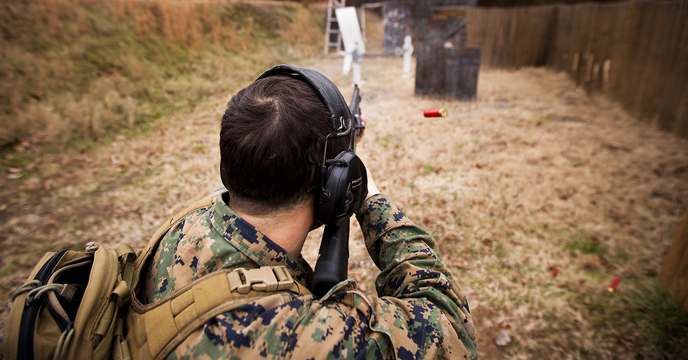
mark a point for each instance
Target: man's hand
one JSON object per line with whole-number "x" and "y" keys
{"x": 372, "y": 187}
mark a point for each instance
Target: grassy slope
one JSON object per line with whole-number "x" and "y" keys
{"x": 77, "y": 70}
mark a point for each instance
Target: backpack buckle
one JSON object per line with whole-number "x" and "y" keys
{"x": 91, "y": 247}
{"x": 266, "y": 278}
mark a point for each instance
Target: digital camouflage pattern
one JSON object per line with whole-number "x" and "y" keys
{"x": 420, "y": 311}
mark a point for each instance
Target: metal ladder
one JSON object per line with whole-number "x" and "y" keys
{"x": 329, "y": 31}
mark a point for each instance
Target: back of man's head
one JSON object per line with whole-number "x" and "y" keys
{"x": 272, "y": 136}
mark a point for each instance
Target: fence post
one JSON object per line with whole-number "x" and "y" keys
{"x": 674, "y": 273}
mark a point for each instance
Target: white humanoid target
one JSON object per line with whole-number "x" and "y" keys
{"x": 408, "y": 52}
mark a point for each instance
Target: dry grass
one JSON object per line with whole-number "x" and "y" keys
{"x": 533, "y": 176}
{"x": 76, "y": 71}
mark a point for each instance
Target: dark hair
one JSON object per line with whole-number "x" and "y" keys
{"x": 272, "y": 136}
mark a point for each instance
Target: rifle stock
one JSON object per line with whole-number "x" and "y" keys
{"x": 333, "y": 258}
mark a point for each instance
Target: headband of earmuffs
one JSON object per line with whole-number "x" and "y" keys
{"x": 327, "y": 91}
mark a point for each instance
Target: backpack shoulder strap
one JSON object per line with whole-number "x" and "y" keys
{"x": 157, "y": 329}
{"x": 167, "y": 225}
{"x": 154, "y": 330}
{"x": 147, "y": 251}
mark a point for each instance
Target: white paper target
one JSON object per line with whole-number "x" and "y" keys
{"x": 350, "y": 29}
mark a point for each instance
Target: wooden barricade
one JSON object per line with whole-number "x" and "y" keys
{"x": 447, "y": 72}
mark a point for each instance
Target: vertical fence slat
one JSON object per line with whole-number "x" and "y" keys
{"x": 607, "y": 22}
{"x": 563, "y": 39}
{"x": 646, "y": 51}
{"x": 679, "y": 91}
{"x": 669, "y": 84}
{"x": 620, "y": 58}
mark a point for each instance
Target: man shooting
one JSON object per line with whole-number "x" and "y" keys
{"x": 277, "y": 138}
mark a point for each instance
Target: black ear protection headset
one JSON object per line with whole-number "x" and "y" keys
{"x": 343, "y": 183}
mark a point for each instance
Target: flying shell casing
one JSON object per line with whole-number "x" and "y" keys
{"x": 435, "y": 113}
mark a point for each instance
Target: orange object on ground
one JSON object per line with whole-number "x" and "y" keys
{"x": 435, "y": 113}
{"x": 614, "y": 284}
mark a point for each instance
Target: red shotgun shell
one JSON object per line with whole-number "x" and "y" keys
{"x": 614, "y": 284}
{"x": 435, "y": 113}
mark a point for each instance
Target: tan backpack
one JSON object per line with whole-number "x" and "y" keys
{"x": 83, "y": 305}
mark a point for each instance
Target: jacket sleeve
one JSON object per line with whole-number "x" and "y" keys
{"x": 412, "y": 272}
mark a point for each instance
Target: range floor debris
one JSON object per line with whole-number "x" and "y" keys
{"x": 502, "y": 339}
{"x": 531, "y": 176}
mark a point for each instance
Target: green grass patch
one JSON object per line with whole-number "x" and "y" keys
{"x": 19, "y": 160}
{"x": 199, "y": 147}
{"x": 583, "y": 243}
{"x": 500, "y": 250}
{"x": 388, "y": 141}
{"x": 666, "y": 323}
{"x": 426, "y": 169}
{"x": 645, "y": 315}
{"x": 621, "y": 255}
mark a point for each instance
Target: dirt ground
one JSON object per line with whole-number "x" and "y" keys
{"x": 532, "y": 179}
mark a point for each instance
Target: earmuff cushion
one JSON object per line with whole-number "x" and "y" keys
{"x": 346, "y": 186}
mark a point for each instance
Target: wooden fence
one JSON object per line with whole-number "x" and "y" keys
{"x": 634, "y": 52}
{"x": 512, "y": 37}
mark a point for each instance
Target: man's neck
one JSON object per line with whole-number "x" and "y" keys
{"x": 287, "y": 228}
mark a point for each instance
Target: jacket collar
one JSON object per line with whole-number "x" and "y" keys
{"x": 255, "y": 245}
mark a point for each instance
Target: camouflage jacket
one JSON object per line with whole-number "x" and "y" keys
{"x": 420, "y": 311}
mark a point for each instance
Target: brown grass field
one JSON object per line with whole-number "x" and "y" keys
{"x": 533, "y": 176}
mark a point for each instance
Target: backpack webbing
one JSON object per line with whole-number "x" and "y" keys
{"x": 154, "y": 330}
